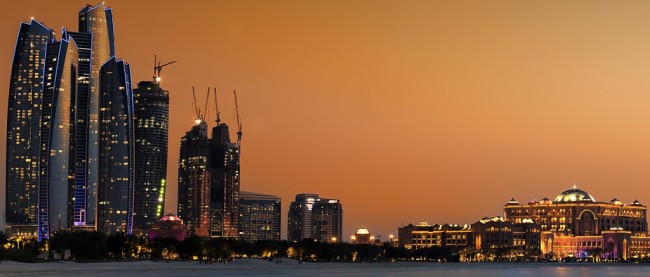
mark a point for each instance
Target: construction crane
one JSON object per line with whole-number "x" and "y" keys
{"x": 197, "y": 112}
{"x": 239, "y": 124}
{"x": 206, "y": 112}
{"x": 157, "y": 67}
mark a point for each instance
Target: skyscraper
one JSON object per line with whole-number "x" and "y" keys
{"x": 209, "y": 179}
{"x": 151, "y": 131}
{"x": 259, "y": 216}
{"x": 23, "y": 127}
{"x": 314, "y": 217}
{"x": 299, "y": 219}
{"x": 117, "y": 158}
{"x": 98, "y": 21}
{"x": 56, "y": 184}
{"x": 54, "y": 136}
{"x": 84, "y": 43}
{"x": 224, "y": 196}
{"x": 194, "y": 179}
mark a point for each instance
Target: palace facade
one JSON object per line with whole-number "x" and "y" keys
{"x": 575, "y": 224}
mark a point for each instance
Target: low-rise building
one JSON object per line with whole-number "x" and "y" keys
{"x": 169, "y": 226}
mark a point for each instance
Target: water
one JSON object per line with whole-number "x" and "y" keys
{"x": 292, "y": 268}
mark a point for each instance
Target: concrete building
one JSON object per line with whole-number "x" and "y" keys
{"x": 313, "y": 217}
{"x": 259, "y": 216}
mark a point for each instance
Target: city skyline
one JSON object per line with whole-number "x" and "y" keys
{"x": 481, "y": 101}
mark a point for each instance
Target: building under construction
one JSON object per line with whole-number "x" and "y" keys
{"x": 209, "y": 176}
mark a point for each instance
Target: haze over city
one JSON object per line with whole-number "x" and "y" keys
{"x": 403, "y": 110}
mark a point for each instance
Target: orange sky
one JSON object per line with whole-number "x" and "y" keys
{"x": 404, "y": 110}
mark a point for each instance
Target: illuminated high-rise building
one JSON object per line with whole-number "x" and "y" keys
{"x": 56, "y": 184}
{"x": 313, "y": 217}
{"x": 117, "y": 158}
{"x": 151, "y": 132}
{"x": 97, "y": 21}
{"x": 209, "y": 179}
{"x": 327, "y": 220}
{"x": 299, "y": 219}
{"x": 259, "y": 216}
{"x": 84, "y": 43}
{"x": 23, "y": 128}
{"x": 194, "y": 179}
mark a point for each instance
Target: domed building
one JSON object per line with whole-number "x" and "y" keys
{"x": 575, "y": 223}
{"x": 362, "y": 236}
{"x": 169, "y": 226}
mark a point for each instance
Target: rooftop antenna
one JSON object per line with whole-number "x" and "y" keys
{"x": 157, "y": 68}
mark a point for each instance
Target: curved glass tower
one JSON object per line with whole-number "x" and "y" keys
{"x": 23, "y": 127}
{"x": 117, "y": 156}
{"x": 57, "y": 130}
{"x": 98, "y": 21}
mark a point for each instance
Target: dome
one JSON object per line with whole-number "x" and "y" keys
{"x": 616, "y": 202}
{"x": 363, "y": 231}
{"x": 513, "y": 202}
{"x": 636, "y": 203}
{"x": 545, "y": 201}
{"x": 574, "y": 195}
{"x": 171, "y": 217}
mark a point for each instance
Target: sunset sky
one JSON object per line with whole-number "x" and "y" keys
{"x": 403, "y": 110}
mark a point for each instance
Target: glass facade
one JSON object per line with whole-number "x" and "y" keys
{"x": 57, "y": 130}
{"x": 84, "y": 43}
{"x": 117, "y": 155}
{"x": 97, "y": 20}
{"x": 151, "y": 132}
{"x": 23, "y": 125}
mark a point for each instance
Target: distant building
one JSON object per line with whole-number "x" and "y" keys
{"x": 151, "y": 133}
{"x": 169, "y": 226}
{"x": 259, "y": 216}
{"x": 362, "y": 236}
{"x": 299, "y": 217}
{"x": 194, "y": 179}
{"x": 25, "y": 104}
{"x": 404, "y": 234}
{"x": 327, "y": 220}
{"x": 497, "y": 234}
{"x": 225, "y": 185}
{"x": 576, "y": 224}
{"x": 424, "y": 235}
{"x": 313, "y": 217}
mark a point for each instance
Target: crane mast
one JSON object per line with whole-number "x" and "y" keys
{"x": 239, "y": 124}
{"x": 157, "y": 68}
